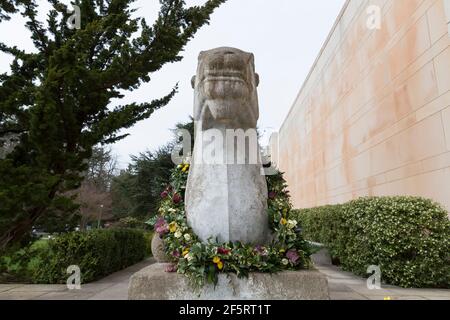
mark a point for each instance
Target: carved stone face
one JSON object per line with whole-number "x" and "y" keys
{"x": 225, "y": 89}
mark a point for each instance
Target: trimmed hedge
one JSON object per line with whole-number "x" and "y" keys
{"x": 98, "y": 253}
{"x": 407, "y": 237}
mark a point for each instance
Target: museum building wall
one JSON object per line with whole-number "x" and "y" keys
{"x": 373, "y": 116}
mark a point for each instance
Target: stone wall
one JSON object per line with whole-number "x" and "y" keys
{"x": 373, "y": 116}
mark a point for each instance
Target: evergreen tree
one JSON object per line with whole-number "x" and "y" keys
{"x": 137, "y": 191}
{"x": 7, "y": 7}
{"x": 57, "y": 100}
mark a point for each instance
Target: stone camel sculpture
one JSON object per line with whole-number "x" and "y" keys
{"x": 226, "y": 193}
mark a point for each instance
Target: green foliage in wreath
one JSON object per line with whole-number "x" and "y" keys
{"x": 202, "y": 262}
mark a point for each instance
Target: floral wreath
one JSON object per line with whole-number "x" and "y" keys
{"x": 202, "y": 262}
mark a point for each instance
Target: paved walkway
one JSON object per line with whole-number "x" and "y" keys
{"x": 113, "y": 287}
{"x": 342, "y": 285}
{"x": 346, "y": 286}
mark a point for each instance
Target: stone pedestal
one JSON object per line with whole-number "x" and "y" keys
{"x": 158, "y": 249}
{"x": 153, "y": 283}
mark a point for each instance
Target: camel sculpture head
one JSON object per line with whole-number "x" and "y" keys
{"x": 225, "y": 89}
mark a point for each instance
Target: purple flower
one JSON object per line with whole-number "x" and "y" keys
{"x": 176, "y": 254}
{"x": 176, "y": 198}
{"x": 161, "y": 226}
{"x": 171, "y": 268}
{"x": 162, "y": 230}
{"x": 160, "y": 222}
{"x": 261, "y": 250}
{"x": 164, "y": 194}
{"x": 272, "y": 195}
{"x": 293, "y": 256}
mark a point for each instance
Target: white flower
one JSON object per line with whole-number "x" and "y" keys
{"x": 188, "y": 257}
{"x": 172, "y": 210}
{"x": 178, "y": 234}
{"x": 285, "y": 261}
{"x": 291, "y": 224}
{"x": 187, "y": 236}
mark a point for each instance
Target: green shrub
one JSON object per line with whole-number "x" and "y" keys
{"x": 97, "y": 253}
{"x": 320, "y": 224}
{"x": 408, "y": 237}
{"x": 17, "y": 263}
{"x": 13, "y": 266}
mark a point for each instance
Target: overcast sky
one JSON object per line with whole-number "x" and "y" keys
{"x": 285, "y": 36}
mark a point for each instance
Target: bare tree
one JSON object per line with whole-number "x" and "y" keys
{"x": 94, "y": 197}
{"x": 95, "y": 204}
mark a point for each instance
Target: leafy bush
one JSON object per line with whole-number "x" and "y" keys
{"x": 97, "y": 253}
{"x": 408, "y": 237}
{"x": 16, "y": 264}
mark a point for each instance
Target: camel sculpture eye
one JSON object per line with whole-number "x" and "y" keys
{"x": 193, "y": 82}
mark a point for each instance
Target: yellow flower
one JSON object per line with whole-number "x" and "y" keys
{"x": 173, "y": 226}
{"x": 282, "y": 251}
{"x": 185, "y": 252}
{"x": 283, "y": 221}
{"x": 185, "y": 168}
{"x": 218, "y": 262}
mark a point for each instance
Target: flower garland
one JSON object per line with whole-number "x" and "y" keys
{"x": 202, "y": 262}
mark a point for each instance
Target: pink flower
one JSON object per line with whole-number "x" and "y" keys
{"x": 293, "y": 256}
{"x": 272, "y": 195}
{"x": 164, "y": 194}
{"x": 161, "y": 226}
{"x": 176, "y": 198}
{"x": 162, "y": 230}
{"x": 171, "y": 268}
{"x": 176, "y": 254}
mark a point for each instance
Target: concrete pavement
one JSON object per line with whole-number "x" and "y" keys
{"x": 342, "y": 286}
{"x": 346, "y": 286}
{"x": 112, "y": 287}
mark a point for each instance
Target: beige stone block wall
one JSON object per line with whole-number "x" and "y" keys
{"x": 373, "y": 116}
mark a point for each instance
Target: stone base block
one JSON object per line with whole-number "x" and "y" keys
{"x": 153, "y": 283}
